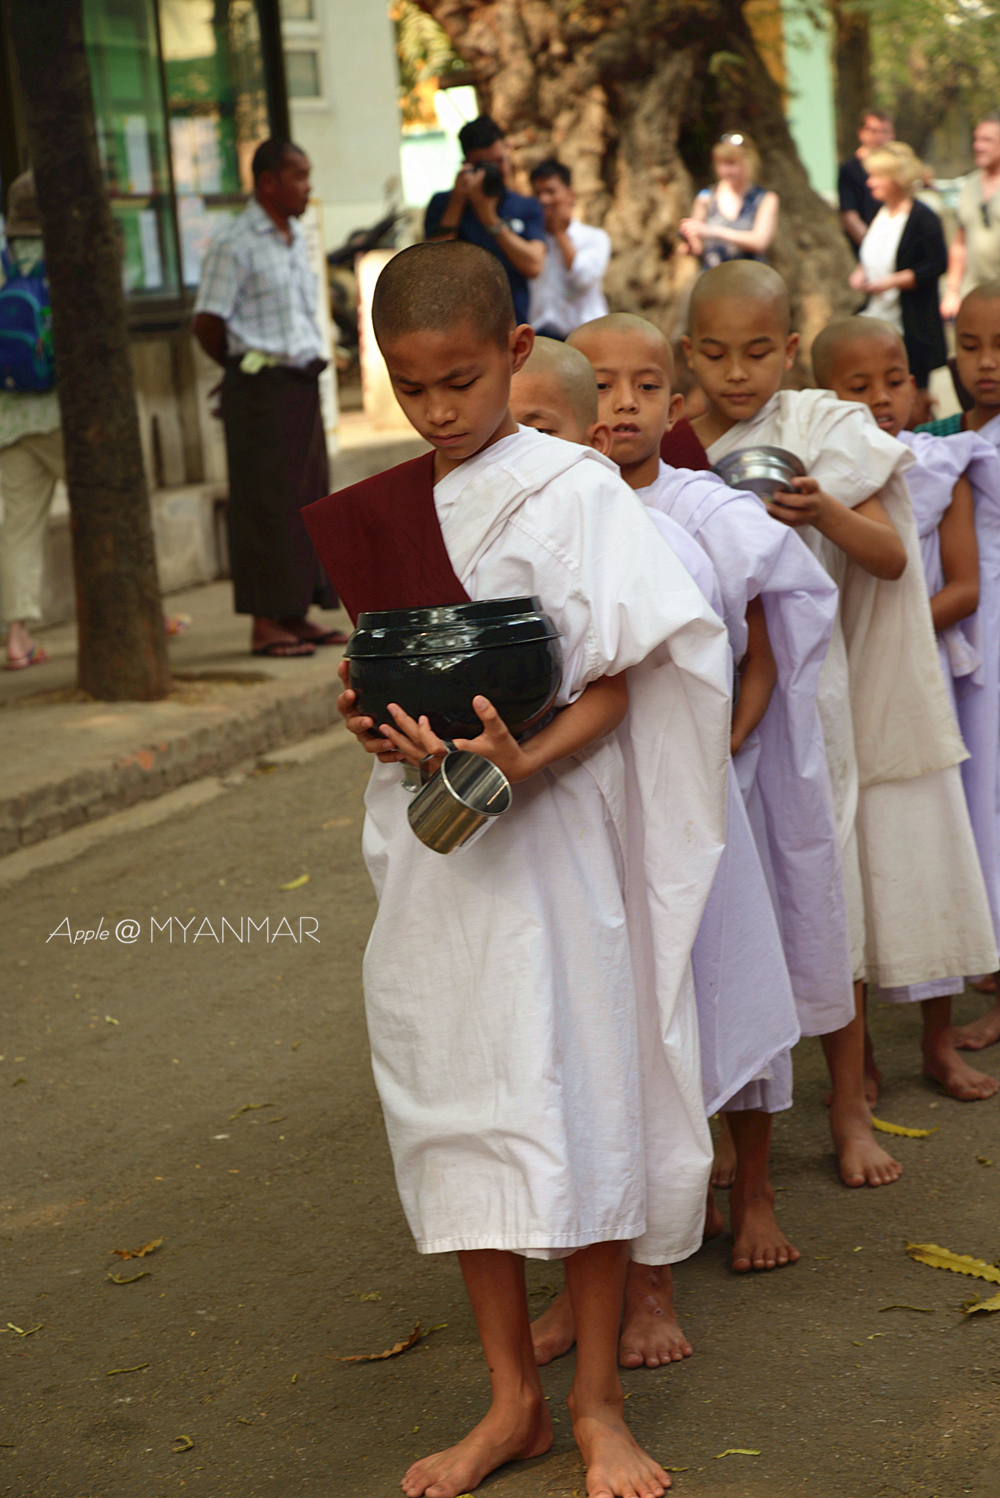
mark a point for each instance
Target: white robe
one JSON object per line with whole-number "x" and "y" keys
{"x": 529, "y": 999}
{"x": 892, "y": 740}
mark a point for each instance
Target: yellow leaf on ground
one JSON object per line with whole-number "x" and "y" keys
{"x": 137, "y": 1253}
{"x": 137, "y": 1368}
{"x": 983, "y": 1160}
{"x": 249, "y": 1108}
{"x": 182, "y": 1443}
{"x": 295, "y": 883}
{"x": 123, "y": 1279}
{"x": 889, "y": 1128}
{"x": 993, "y": 1304}
{"x": 943, "y": 1258}
{"x": 736, "y": 1451}
{"x": 391, "y": 1352}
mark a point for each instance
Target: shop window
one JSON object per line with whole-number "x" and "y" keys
{"x": 132, "y": 139}
{"x": 181, "y": 105}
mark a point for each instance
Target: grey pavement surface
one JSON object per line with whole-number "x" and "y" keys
{"x": 217, "y": 1096}
{"x": 66, "y": 760}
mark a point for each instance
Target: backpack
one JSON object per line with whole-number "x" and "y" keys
{"x": 26, "y": 357}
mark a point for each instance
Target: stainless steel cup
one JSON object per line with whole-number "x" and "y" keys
{"x": 460, "y": 802}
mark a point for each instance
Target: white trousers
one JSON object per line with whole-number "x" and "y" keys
{"x": 29, "y": 471}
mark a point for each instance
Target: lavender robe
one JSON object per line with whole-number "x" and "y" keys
{"x": 969, "y": 650}
{"x": 747, "y": 1029}
{"x": 782, "y": 766}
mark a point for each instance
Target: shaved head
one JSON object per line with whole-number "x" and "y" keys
{"x": 741, "y": 281}
{"x": 837, "y": 337}
{"x": 625, "y": 322}
{"x": 989, "y": 291}
{"x": 564, "y": 375}
{"x": 436, "y": 286}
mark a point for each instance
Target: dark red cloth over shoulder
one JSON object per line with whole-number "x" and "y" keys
{"x": 380, "y": 542}
{"x": 681, "y": 447}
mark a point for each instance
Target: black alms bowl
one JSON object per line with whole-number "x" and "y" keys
{"x": 436, "y": 660}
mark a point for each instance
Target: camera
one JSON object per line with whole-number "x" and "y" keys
{"x": 492, "y": 179}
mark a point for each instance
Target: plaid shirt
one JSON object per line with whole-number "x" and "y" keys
{"x": 262, "y": 288}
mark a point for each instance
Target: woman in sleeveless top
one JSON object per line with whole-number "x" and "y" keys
{"x": 735, "y": 219}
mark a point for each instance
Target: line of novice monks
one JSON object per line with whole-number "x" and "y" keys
{"x": 686, "y": 883}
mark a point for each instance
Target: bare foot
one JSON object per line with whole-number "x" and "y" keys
{"x": 554, "y": 1333}
{"x": 617, "y": 1466}
{"x": 942, "y": 1063}
{"x": 724, "y": 1159}
{"x": 760, "y": 1243}
{"x": 651, "y": 1335}
{"x": 981, "y": 1033}
{"x": 862, "y": 1161}
{"x": 988, "y": 984}
{"x": 715, "y": 1223}
{"x": 511, "y": 1432}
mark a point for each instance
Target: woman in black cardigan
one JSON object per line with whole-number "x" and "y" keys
{"x": 902, "y": 257}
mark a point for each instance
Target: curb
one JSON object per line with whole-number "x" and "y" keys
{"x": 279, "y": 715}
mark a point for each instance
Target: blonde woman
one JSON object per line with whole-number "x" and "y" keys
{"x": 902, "y": 257}
{"x": 736, "y": 219}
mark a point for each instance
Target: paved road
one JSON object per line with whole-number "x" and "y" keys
{"x": 126, "y": 1065}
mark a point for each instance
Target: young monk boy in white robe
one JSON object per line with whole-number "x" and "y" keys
{"x": 767, "y": 581}
{"x": 745, "y": 1031}
{"x": 533, "y": 1032}
{"x": 954, "y": 484}
{"x": 915, "y": 896}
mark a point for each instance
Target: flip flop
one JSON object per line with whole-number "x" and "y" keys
{"x": 36, "y": 656}
{"x": 285, "y": 649}
{"x": 332, "y": 637}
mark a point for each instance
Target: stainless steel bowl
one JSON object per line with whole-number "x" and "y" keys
{"x": 762, "y": 470}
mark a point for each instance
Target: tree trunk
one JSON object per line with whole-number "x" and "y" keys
{"x": 631, "y": 95}
{"x": 853, "y": 72}
{"x": 122, "y": 646}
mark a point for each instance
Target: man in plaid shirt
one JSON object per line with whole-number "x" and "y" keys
{"x": 255, "y": 316}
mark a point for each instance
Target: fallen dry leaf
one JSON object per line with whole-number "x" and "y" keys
{"x": 137, "y": 1253}
{"x": 737, "y": 1451}
{"x": 122, "y": 1279}
{"x": 249, "y": 1108}
{"x": 972, "y": 1306}
{"x": 137, "y": 1368}
{"x": 295, "y": 883}
{"x": 109, "y": 1021}
{"x": 983, "y": 1160}
{"x": 943, "y": 1258}
{"x": 391, "y": 1352}
{"x": 890, "y": 1128}
{"x": 182, "y": 1443}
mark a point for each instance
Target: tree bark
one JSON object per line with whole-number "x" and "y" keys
{"x": 631, "y": 95}
{"x": 122, "y": 645}
{"x": 853, "y": 72}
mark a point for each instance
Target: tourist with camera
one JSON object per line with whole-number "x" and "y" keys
{"x": 482, "y": 209}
